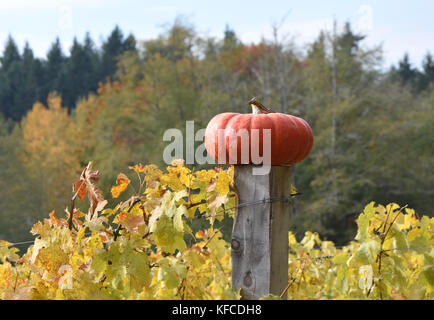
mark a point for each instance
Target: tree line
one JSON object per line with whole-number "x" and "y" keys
{"x": 25, "y": 79}
{"x": 373, "y": 129}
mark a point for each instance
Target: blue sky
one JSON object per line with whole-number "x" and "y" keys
{"x": 400, "y": 26}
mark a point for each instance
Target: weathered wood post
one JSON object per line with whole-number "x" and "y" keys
{"x": 261, "y": 224}
{"x": 260, "y": 231}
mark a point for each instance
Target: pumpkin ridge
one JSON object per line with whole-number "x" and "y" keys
{"x": 309, "y": 143}
{"x": 260, "y": 122}
{"x": 297, "y": 138}
{"x": 230, "y": 127}
{"x": 211, "y": 133}
{"x": 280, "y": 133}
{"x": 302, "y": 139}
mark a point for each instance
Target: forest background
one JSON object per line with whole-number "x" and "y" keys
{"x": 373, "y": 126}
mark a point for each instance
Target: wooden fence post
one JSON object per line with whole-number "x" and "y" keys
{"x": 260, "y": 232}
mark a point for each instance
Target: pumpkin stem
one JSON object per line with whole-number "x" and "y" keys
{"x": 258, "y": 107}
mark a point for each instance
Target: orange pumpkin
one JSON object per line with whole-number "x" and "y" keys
{"x": 291, "y": 137}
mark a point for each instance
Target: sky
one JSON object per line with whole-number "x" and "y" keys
{"x": 399, "y": 26}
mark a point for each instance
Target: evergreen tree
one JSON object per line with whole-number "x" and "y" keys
{"x": 31, "y": 81}
{"x": 80, "y": 70}
{"x": 111, "y": 50}
{"x": 230, "y": 39}
{"x": 427, "y": 75}
{"x": 4, "y": 91}
{"x": 93, "y": 62}
{"x": 28, "y": 56}
{"x": 11, "y": 54}
{"x": 349, "y": 41}
{"x": 130, "y": 44}
{"x": 11, "y": 80}
{"x": 346, "y": 58}
{"x": 406, "y": 72}
{"x": 54, "y": 69}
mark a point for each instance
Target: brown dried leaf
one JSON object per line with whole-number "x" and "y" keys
{"x": 85, "y": 185}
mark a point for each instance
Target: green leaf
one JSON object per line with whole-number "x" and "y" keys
{"x": 340, "y": 258}
{"x": 171, "y": 275}
{"x": 177, "y": 218}
{"x": 363, "y": 222}
{"x": 427, "y": 277}
{"x": 166, "y": 236}
{"x": 365, "y": 254}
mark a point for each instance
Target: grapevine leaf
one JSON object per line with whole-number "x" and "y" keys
{"x": 365, "y": 277}
{"x": 365, "y": 254}
{"x": 122, "y": 183}
{"x": 222, "y": 183}
{"x": 166, "y": 236}
{"x": 94, "y": 194}
{"x": 363, "y": 222}
{"x": 132, "y": 222}
{"x": 427, "y": 277}
{"x": 177, "y": 218}
{"x": 8, "y": 251}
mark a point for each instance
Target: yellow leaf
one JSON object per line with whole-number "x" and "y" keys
{"x": 222, "y": 183}
{"x": 122, "y": 183}
{"x": 294, "y": 191}
{"x": 178, "y": 162}
{"x": 413, "y": 234}
{"x": 139, "y": 168}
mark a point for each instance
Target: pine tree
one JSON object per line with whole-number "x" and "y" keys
{"x": 4, "y": 91}
{"x": 80, "y": 69}
{"x": 230, "y": 39}
{"x": 111, "y": 49}
{"x": 10, "y": 54}
{"x": 93, "y": 62}
{"x": 406, "y": 72}
{"x": 349, "y": 41}
{"x": 130, "y": 43}
{"x": 10, "y": 80}
{"x": 54, "y": 69}
{"x": 427, "y": 76}
{"x": 31, "y": 82}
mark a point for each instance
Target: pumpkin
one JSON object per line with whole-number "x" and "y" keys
{"x": 291, "y": 137}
